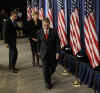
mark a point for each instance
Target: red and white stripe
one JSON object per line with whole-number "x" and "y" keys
{"x": 61, "y": 28}
{"x": 29, "y": 13}
{"x": 75, "y": 32}
{"x": 91, "y": 40}
{"x": 50, "y": 16}
{"x": 41, "y": 14}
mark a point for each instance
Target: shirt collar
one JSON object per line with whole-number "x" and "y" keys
{"x": 45, "y": 31}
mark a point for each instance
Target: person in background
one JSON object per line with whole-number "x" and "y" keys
{"x": 49, "y": 50}
{"x": 3, "y": 17}
{"x": 10, "y": 40}
{"x": 33, "y": 27}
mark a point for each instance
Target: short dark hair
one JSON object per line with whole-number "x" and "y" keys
{"x": 13, "y": 12}
{"x": 46, "y": 20}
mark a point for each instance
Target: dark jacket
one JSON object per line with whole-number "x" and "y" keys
{"x": 50, "y": 46}
{"x": 33, "y": 29}
{"x": 10, "y": 32}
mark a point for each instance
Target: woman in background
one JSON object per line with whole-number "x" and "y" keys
{"x": 34, "y": 26}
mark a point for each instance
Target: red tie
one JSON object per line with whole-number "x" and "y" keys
{"x": 46, "y": 34}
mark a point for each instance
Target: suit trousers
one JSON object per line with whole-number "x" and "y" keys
{"x": 12, "y": 56}
{"x": 49, "y": 67}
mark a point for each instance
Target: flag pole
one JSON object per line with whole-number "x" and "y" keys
{"x": 67, "y": 52}
{"x": 65, "y": 72}
{"x": 76, "y": 83}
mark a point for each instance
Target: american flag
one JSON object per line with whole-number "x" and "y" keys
{"x": 34, "y": 4}
{"x": 74, "y": 27}
{"x": 28, "y": 10}
{"x": 41, "y": 12}
{"x": 50, "y": 13}
{"x": 61, "y": 24}
{"x": 91, "y": 40}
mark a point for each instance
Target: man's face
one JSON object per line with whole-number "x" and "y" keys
{"x": 14, "y": 16}
{"x": 45, "y": 25}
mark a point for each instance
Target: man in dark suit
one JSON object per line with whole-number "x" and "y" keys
{"x": 49, "y": 51}
{"x": 10, "y": 40}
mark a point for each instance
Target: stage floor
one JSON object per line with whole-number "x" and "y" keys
{"x": 29, "y": 79}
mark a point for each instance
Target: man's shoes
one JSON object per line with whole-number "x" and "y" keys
{"x": 33, "y": 65}
{"x": 38, "y": 65}
{"x": 48, "y": 86}
{"x": 15, "y": 70}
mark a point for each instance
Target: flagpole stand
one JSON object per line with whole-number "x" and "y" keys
{"x": 76, "y": 83}
{"x": 65, "y": 72}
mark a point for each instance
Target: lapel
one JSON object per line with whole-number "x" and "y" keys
{"x": 12, "y": 23}
{"x": 49, "y": 34}
{"x": 43, "y": 35}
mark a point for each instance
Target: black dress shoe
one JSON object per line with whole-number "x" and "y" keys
{"x": 14, "y": 71}
{"x": 33, "y": 65}
{"x": 48, "y": 86}
{"x": 38, "y": 65}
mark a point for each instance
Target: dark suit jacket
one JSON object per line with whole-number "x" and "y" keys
{"x": 32, "y": 28}
{"x": 50, "y": 46}
{"x": 10, "y": 32}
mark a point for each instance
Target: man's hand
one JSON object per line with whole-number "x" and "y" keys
{"x": 57, "y": 56}
{"x": 34, "y": 39}
{"x": 6, "y": 45}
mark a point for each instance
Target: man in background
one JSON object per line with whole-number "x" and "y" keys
{"x": 10, "y": 40}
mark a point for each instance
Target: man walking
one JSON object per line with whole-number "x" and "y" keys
{"x": 49, "y": 50}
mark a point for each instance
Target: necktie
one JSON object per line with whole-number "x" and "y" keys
{"x": 46, "y": 34}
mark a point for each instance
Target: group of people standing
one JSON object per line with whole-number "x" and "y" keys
{"x": 44, "y": 43}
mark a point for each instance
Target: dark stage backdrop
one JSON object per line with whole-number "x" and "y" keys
{"x": 9, "y": 5}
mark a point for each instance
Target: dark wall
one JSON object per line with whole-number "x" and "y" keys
{"x": 12, "y": 3}
{"x": 9, "y": 5}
